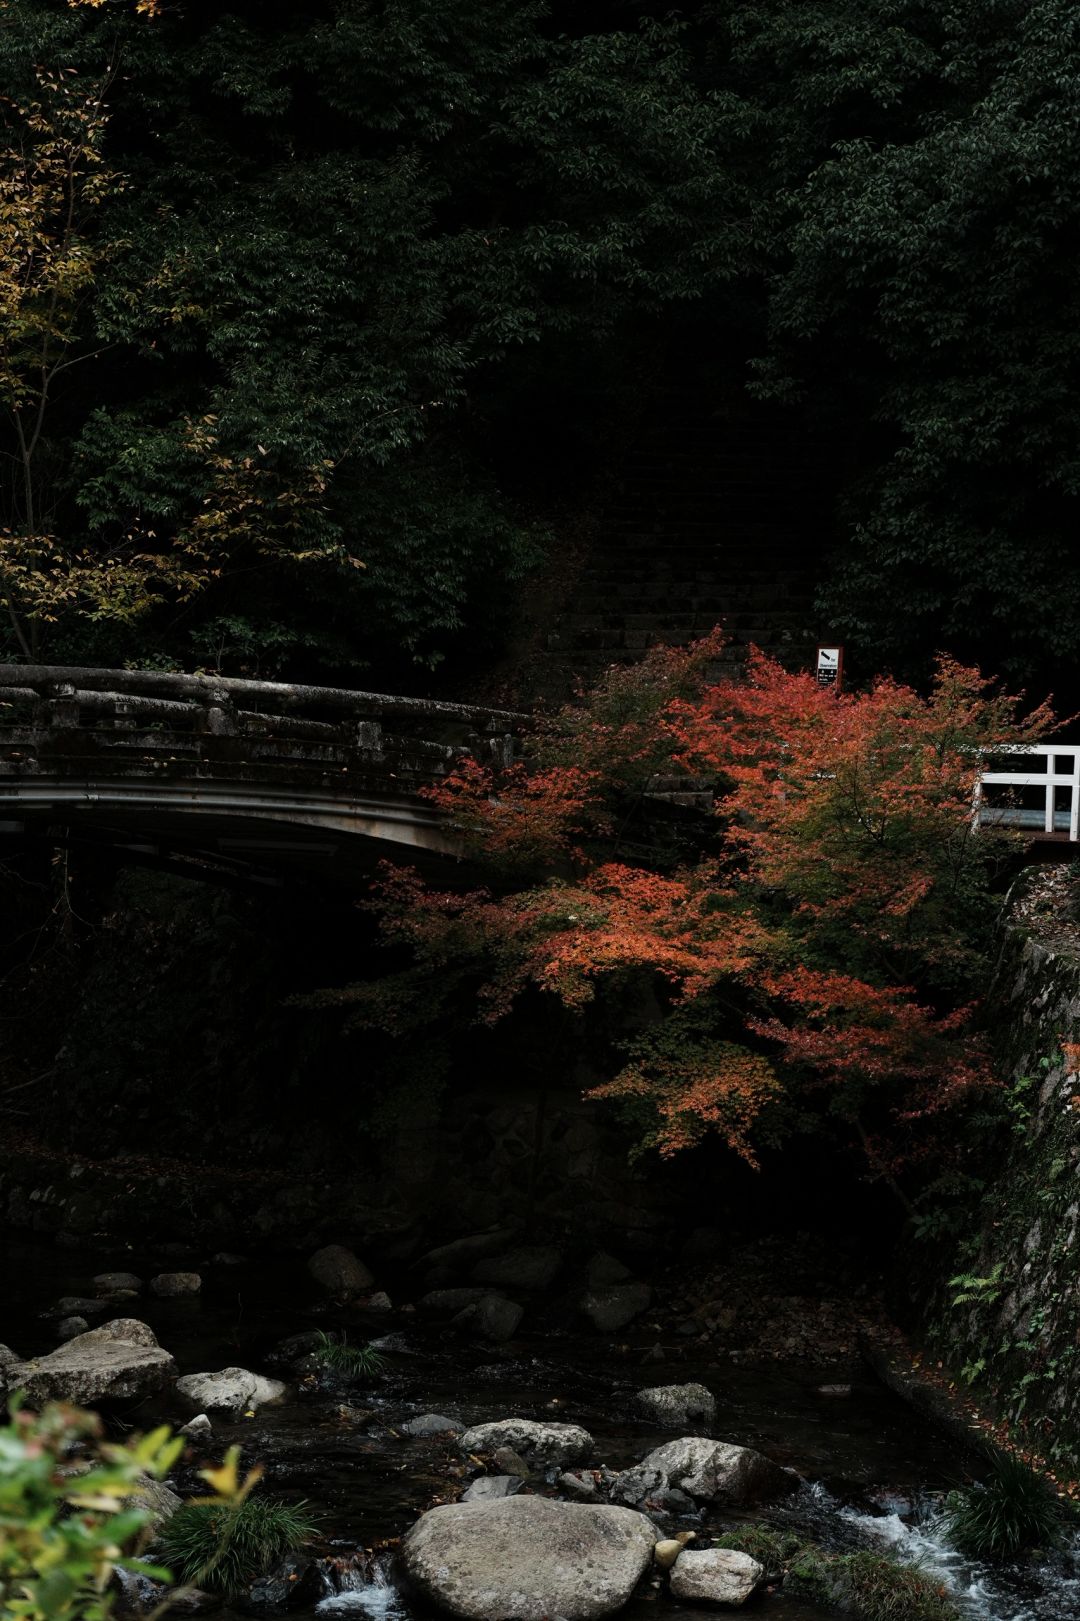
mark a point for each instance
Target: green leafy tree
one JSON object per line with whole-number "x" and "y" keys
{"x": 346, "y": 231}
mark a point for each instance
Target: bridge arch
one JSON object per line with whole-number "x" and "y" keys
{"x": 237, "y": 773}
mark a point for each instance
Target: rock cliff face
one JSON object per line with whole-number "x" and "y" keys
{"x": 1012, "y": 1322}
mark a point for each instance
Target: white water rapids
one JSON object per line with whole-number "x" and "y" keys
{"x": 1048, "y": 1590}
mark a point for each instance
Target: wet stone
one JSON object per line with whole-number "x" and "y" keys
{"x": 715, "y": 1576}
{"x": 541, "y": 1444}
{"x": 172, "y": 1285}
{"x": 340, "y": 1272}
{"x": 110, "y": 1283}
{"x": 612, "y": 1308}
{"x": 431, "y": 1424}
{"x": 490, "y": 1487}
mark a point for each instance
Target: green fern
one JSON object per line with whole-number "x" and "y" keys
{"x": 357, "y": 1361}
{"x": 981, "y": 1291}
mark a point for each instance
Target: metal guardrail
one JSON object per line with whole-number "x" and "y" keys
{"x": 1040, "y": 794}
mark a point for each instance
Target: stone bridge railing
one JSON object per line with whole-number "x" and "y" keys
{"x": 62, "y": 720}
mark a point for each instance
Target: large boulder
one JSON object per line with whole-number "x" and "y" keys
{"x": 340, "y": 1272}
{"x": 233, "y": 1390}
{"x": 542, "y": 1444}
{"x": 533, "y": 1267}
{"x": 612, "y": 1308}
{"x": 120, "y": 1361}
{"x": 527, "y": 1558}
{"x": 715, "y": 1576}
{"x": 676, "y": 1406}
{"x": 708, "y": 1471}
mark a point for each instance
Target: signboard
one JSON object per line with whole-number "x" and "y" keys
{"x": 830, "y": 666}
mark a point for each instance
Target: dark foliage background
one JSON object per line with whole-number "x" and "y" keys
{"x": 436, "y": 246}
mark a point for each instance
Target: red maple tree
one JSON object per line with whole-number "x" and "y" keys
{"x": 826, "y": 939}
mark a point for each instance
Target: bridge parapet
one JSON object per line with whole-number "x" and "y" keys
{"x": 63, "y": 720}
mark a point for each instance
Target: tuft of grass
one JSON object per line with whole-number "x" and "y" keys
{"x": 224, "y": 1549}
{"x": 358, "y": 1361}
{"x": 773, "y": 1549}
{"x": 1014, "y": 1510}
{"x": 882, "y": 1590}
{"x": 870, "y": 1586}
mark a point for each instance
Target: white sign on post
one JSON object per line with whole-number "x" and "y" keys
{"x": 830, "y": 666}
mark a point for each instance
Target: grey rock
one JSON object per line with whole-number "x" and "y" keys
{"x": 604, "y": 1270}
{"x": 8, "y": 1357}
{"x": 380, "y": 1301}
{"x": 119, "y": 1361}
{"x": 136, "y": 1593}
{"x": 232, "y": 1390}
{"x": 68, "y": 1327}
{"x": 79, "y": 1306}
{"x": 198, "y": 1428}
{"x": 527, "y": 1558}
{"x": 676, "y": 1406}
{"x": 340, "y": 1272}
{"x": 273, "y": 1593}
{"x": 447, "y": 1302}
{"x": 296, "y": 1346}
{"x": 583, "y": 1487}
{"x": 463, "y": 1251}
{"x": 512, "y": 1463}
{"x": 170, "y": 1285}
{"x": 108, "y": 1283}
{"x": 539, "y": 1443}
{"x": 834, "y": 1390}
{"x": 431, "y": 1424}
{"x": 492, "y": 1317}
{"x": 533, "y": 1267}
{"x": 715, "y": 1576}
{"x": 227, "y": 1258}
{"x": 709, "y": 1471}
{"x": 486, "y": 1488}
{"x": 637, "y": 1485}
{"x": 612, "y": 1308}
{"x": 191, "y": 1601}
{"x": 157, "y": 1500}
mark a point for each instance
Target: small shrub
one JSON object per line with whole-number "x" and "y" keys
{"x": 223, "y": 1549}
{"x": 68, "y": 1506}
{"x": 358, "y": 1361}
{"x": 1014, "y": 1510}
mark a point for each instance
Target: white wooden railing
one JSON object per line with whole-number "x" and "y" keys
{"x": 1040, "y": 793}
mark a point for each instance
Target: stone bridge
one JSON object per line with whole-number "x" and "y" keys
{"x": 230, "y": 776}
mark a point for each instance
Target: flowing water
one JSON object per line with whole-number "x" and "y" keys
{"x": 876, "y": 1473}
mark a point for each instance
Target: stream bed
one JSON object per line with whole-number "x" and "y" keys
{"x": 875, "y": 1472}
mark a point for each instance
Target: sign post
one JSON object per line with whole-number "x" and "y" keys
{"x": 829, "y": 668}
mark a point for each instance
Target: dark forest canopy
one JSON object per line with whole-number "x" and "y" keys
{"x": 351, "y": 300}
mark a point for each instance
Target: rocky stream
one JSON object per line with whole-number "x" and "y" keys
{"x": 834, "y": 1455}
